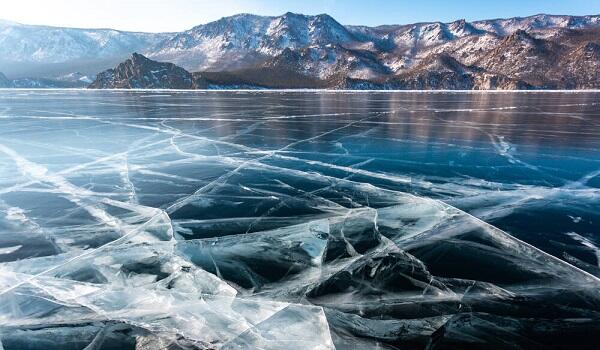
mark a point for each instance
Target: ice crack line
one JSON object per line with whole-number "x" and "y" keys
{"x": 39, "y": 172}
{"x": 223, "y": 178}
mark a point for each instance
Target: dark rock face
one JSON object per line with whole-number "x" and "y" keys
{"x": 139, "y": 72}
{"x": 437, "y": 72}
{"x": 582, "y": 67}
{"x": 521, "y": 56}
{"x": 4, "y": 82}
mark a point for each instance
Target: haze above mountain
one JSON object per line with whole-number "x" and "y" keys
{"x": 541, "y": 51}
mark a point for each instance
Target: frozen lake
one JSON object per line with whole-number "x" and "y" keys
{"x": 299, "y": 220}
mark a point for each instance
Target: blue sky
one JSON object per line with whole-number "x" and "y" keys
{"x": 176, "y": 15}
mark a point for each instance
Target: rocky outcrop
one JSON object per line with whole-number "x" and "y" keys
{"x": 490, "y": 81}
{"x": 581, "y": 67}
{"x": 139, "y": 72}
{"x": 522, "y": 56}
{"x": 437, "y": 72}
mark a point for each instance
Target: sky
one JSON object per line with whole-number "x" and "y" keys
{"x": 177, "y": 15}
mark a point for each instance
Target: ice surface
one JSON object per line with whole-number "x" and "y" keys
{"x": 298, "y": 220}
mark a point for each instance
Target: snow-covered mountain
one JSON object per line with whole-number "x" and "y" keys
{"x": 494, "y": 53}
{"x": 412, "y": 37}
{"x": 31, "y": 50}
{"x": 243, "y": 40}
{"x": 321, "y": 48}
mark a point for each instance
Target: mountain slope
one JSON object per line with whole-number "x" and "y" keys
{"x": 522, "y": 56}
{"x": 31, "y": 49}
{"x": 295, "y": 50}
{"x": 242, "y": 40}
{"x": 512, "y": 53}
{"x": 582, "y": 67}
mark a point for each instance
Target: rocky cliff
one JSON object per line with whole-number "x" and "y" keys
{"x": 139, "y": 72}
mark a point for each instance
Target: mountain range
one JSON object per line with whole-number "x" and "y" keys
{"x": 299, "y": 51}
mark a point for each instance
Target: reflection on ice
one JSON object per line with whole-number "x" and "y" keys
{"x": 149, "y": 225}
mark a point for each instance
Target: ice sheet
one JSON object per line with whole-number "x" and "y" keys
{"x": 299, "y": 220}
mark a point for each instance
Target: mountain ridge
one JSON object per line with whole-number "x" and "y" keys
{"x": 535, "y": 51}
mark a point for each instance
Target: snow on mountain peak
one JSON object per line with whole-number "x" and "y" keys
{"x": 245, "y": 41}
{"x": 30, "y": 43}
{"x": 245, "y": 36}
